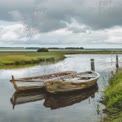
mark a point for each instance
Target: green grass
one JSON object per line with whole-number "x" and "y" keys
{"x": 16, "y": 58}
{"x": 12, "y": 59}
{"x": 113, "y": 99}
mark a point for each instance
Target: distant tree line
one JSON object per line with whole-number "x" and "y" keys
{"x": 66, "y": 48}
{"x": 55, "y": 48}
{"x": 31, "y": 47}
{"x": 74, "y": 48}
{"x": 47, "y": 49}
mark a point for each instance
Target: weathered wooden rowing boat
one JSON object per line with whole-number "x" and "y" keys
{"x": 64, "y": 99}
{"x": 78, "y": 81}
{"x": 53, "y": 101}
{"x": 37, "y": 82}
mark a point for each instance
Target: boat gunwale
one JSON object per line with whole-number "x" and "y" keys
{"x": 19, "y": 88}
{"x": 42, "y": 76}
{"x": 92, "y": 79}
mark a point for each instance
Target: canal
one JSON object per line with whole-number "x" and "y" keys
{"x": 85, "y": 107}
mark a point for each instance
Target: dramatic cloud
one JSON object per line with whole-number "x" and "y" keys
{"x": 60, "y": 22}
{"x": 11, "y": 33}
{"x": 16, "y": 34}
{"x": 49, "y": 15}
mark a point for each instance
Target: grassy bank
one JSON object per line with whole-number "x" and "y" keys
{"x": 13, "y": 59}
{"x": 113, "y": 99}
{"x": 21, "y": 58}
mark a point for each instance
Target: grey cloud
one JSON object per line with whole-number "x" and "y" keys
{"x": 16, "y": 15}
{"x": 15, "y": 35}
{"x": 47, "y": 15}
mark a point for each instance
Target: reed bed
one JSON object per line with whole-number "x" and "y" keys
{"x": 113, "y": 99}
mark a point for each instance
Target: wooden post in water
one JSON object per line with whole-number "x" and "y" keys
{"x": 117, "y": 62}
{"x": 92, "y": 65}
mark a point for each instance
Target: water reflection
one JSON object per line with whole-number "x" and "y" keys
{"x": 21, "y": 97}
{"x": 53, "y": 101}
{"x": 36, "y": 111}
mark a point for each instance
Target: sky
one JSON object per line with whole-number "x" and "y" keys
{"x": 61, "y": 23}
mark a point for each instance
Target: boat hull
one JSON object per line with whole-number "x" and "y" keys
{"x": 37, "y": 82}
{"x": 66, "y": 86}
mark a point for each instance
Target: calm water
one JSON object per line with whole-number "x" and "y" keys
{"x": 83, "y": 109}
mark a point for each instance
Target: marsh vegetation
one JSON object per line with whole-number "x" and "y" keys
{"x": 113, "y": 99}
{"x": 27, "y": 58}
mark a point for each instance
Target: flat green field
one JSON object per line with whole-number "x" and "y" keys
{"x": 24, "y": 58}
{"x": 13, "y": 59}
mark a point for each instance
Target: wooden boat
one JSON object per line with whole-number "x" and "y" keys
{"x": 78, "y": 81}
{"x": 37, "y": 82}
{"x": 64, "y": 99}
{"x": 53, "y": 101}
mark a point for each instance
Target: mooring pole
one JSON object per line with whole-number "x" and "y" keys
{"x": 92, "y": 65}
{"x": 117, "y": 62}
